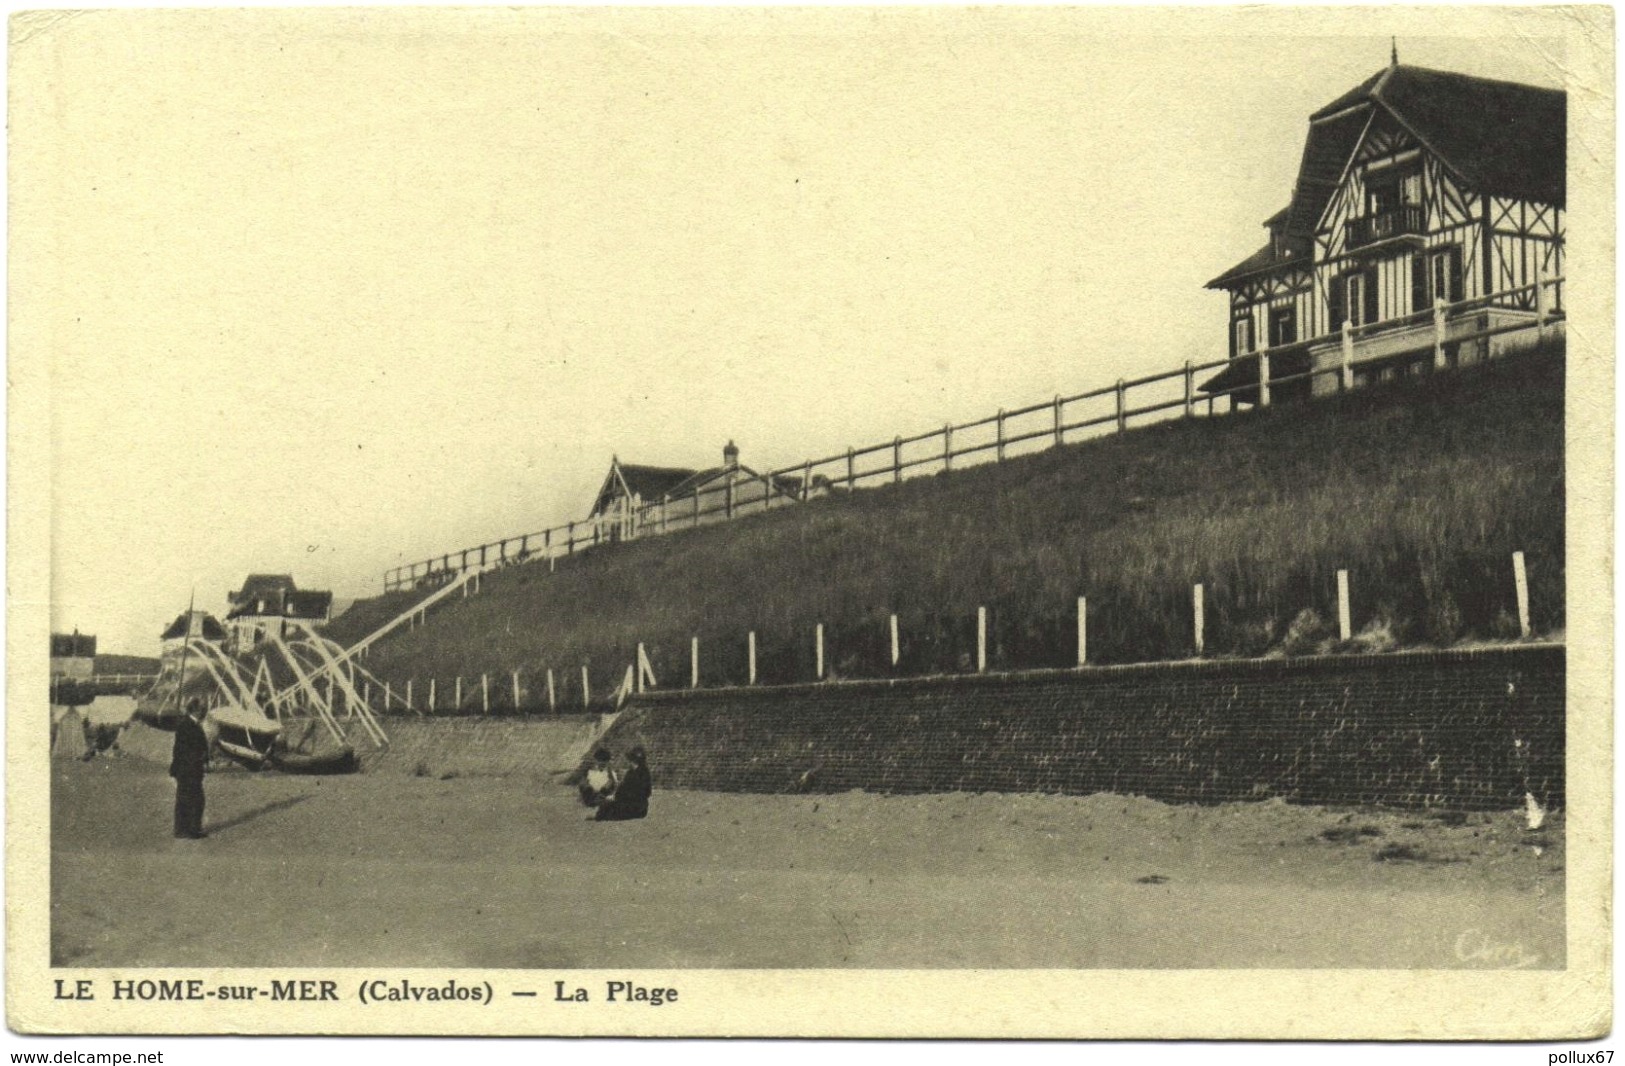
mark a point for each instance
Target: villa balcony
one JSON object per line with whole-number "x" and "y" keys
{"x": 1407, "y": 221}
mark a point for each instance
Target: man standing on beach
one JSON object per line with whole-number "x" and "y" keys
{"x": 186, "y": 766}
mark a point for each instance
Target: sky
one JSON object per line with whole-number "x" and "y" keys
{"x": 328, "y": 292}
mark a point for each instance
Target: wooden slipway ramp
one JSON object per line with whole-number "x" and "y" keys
{"x": 484, "y": 747}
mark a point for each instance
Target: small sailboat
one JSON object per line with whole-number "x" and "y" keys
{"x": 245, "y": 734}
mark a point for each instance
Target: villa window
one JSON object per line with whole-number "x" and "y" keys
{"x": 1241, "y": 336}
{"x": 1436, "y": 275}
{"x": 1353, "y": 296}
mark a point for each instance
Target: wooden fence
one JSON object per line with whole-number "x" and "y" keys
{"x": 1433, "y": 339}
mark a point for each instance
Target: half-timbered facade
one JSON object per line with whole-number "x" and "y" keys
{"x": 1418, "y": 190}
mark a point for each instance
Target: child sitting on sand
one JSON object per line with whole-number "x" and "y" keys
{"x": 631, "y": 798}
{"x": 600, "y": 781}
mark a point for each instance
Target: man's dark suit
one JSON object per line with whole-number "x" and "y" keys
{"x": 186, "y": 765}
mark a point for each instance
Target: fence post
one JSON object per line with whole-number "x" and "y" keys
{"x": 386, "y": 697}
{"x": 1059, "y": 431}
{"x": 366, "y": 694}
{"x": 1345, "y": 629}
{"x": 1438, "y": 332}
{"x": 694, "y": 662}
{"x": 981, "y": 640}
{"x": 552, "y": 694}
{"x": 1122, "y": 410}
{"x": 1541, "y": 301}
{"x": 516, "y": 690}
{"x": 948, "y": 446}
{"x": 570, "y": 540}
{"x": 999, "y": 429}
{"x": 485, "y": 693}
{"x": 851, "y": 470}
{"x": 431, "y": 695}
{"x": 751, "y": 654}
{"x": 457, "y": 691}
{"x": 586, "y": 688}
{"x": 1083, "y": 630}
{"x": 728, "y": 498}
{"x": 819, "y": 640}
{"x": 806, "y": 480}
{"x": 896, "y": 460}
{"x": 1196, "y": 604}
{"x": 895, "y": 649}
{"x": 1346, "y": 378}
{"x": 1190, "y": 389}
{"x": 767, "y": 491}
{"x": 1521, "y": 582}
{"x": 665, "y": 505}
{"x": 642, "y": 658}
{"x": 1263, "y": 377}
{"x": 409, "y": 693}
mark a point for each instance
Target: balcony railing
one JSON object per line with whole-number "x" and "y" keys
{"x": 1400, "y": 222}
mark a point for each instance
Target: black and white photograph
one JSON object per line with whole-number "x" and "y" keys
{"x": 1071, "y": 522}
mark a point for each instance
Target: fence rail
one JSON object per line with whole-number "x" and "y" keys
{"x": 1433, "y": 336}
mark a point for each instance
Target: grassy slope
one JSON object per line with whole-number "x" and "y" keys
{"x": 1421, "y": 491}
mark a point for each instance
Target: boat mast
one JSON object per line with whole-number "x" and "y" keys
{"x": 186, "y": 646}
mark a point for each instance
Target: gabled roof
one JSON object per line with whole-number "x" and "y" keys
{"x": 648, "y": 482}
{"x": 652, "y": 482}
{"x": 1500, "y": 137}
{"x": 211, "y": 627}
{"x": 262, "y": 587}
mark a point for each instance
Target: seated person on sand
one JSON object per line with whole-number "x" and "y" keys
{"x": 600, "y": 781}
{"x": 631, "y": 797}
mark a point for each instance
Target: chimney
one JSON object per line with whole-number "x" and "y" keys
{"x": 730, "y": 456}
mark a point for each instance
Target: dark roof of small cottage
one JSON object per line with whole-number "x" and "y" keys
{"x": 307, "y": 604}
{"x": 212, "y": 629}
{"x": 262, "y": 586}
{"x": 647, "y": 482}
{"x": 73, "y": 646}
{"x": 652, "y": 482}
{"x": 1500, "y": 137}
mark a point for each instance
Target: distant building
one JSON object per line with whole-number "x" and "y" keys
{"x": 73, "y": 655}
{"x": 1415, "y": 186}
{"x": 649, "y": 499}
{"x": 73, "y": 666}
{"x": 199, "y": 624}
{"x": 267, "y": 603}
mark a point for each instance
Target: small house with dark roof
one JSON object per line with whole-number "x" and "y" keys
{"x": 268, "y": 602}
{"x": 73, "y": 655}
{"x": 637, "y": 498}
{"x": 1415, "y": 187}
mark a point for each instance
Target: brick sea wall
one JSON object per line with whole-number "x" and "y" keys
{"x": 483, "y": 746}
{"x": 1462, "y": 729}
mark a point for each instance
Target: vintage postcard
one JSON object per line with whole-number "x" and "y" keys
{"x": 870, "y": 522}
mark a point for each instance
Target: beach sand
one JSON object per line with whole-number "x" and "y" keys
{"x": 396, "y": 870}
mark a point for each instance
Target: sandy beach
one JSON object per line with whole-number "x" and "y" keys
{"x": 381, "y": 869}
